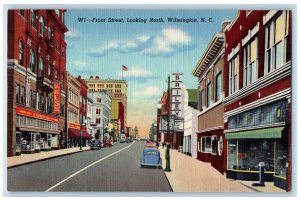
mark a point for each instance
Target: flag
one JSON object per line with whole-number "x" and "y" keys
{"x": 124, "y": 68}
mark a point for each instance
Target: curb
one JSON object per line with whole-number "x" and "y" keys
{"x": 168, "y": 180}
{"x": 43, "y": 159}
{"x": 249, "y": 187}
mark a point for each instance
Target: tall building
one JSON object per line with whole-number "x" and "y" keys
{"x": 36, "y": 72}
{"x": 100, "y": 114}
{"x": 117, "y": 88}
{"x": 257, "y": 104}
{"x": 210, "y": 73}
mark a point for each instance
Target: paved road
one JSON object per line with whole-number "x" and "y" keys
{"x": 110, "y": 172}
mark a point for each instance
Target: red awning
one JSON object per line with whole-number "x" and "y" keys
{"x": 74, "y": 133}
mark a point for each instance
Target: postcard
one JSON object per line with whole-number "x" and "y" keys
{"x": 149, "y": 100}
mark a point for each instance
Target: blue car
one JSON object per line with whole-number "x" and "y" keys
{"x": 151, "y": 158}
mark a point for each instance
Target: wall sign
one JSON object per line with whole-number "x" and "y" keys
{"x": 33, "y": 114}
{"x": 177, "y": 101}
{"x": 56, "y": 98}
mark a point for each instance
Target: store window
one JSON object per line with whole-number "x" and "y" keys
{"x": 218, "y": 86}
{"x": 281, "y": 161}
{"x": 250, "y": 62}
{"x": 33, "y": 18}
{"x": 32, "y": 62}
{"x": 21, "y": 53}
{"x": 208, "y": 94}
{"x": 233, "y": 74}
{"x": 232, "y": 154}
{"x": 206, "y": 145}
{"x": 214, "y": 143}
{"x": 252, "y": 152}
{"x": 42, "y": 26}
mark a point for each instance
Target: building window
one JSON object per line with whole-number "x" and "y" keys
{"x": 201, "y": 101}
{"x": 206, "y": 145}
{"x": 49, "y": 71}
{"x": 233, "y": 74}
{"x": 63, "y": 17}
{"x": 41, "y": 71}
{"x": 98, "y": 120}
{"x": 22, "y": 13}
{"x": 56, "y": 45}
{"x": 42, "y": 26}
{"x": 250, "y": 62}
{"x": 57, "y": 12}
{"x": 276, "y": 32}
{"x": 33, "y": 18}
{"x": 62, "y": 81}
{"x": 32, "y": 63}
{"x": 218, "y": 86}
{"x": 63, "y": 52}
{"x": 98, "y": 111}
{"x": 50, "y": 33}
{"x": 21, "y": 52}
{"x": 208, "y": 94}
{"x": 18, "y": 92}
{"x": 56, "y": 75}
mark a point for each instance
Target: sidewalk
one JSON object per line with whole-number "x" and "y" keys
{"x": 191, "y": 175}
{"x": 27, "y": 158}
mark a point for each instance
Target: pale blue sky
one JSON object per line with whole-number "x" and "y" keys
{"x": 151, "y": 51}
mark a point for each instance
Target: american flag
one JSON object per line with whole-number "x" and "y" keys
{"x": 124, "y": 68}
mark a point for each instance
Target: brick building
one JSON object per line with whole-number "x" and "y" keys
{"x": 36, "y": 72}
{"x": 257, "y": 104}
{"x": 210, "y": 73}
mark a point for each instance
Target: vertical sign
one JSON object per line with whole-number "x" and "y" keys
{"x": 177, "y": 95}
{"x": 56, "y": 98}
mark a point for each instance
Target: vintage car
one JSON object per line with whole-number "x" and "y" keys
{"x": 95, "y": 144}
{"x": 151, "y": 158}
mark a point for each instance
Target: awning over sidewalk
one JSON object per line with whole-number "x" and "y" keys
{"x": 256, "y": 134}
{"x": 74, "y": 133}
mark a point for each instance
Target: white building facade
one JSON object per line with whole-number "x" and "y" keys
{"x": 100, "y": 113}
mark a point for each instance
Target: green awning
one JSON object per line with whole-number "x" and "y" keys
{"x": 256, "y": 134}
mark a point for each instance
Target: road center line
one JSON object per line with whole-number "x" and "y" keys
{"x": 90, "y": 165}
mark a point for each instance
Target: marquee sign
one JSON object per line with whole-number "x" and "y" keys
{"x": 56, "y": 98}
{"x": 37, "y": 115}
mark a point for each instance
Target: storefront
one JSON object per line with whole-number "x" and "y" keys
{"x": 268, "y": 143}
{"x": 35, "y": 131}
{"x": 74, "y": 131}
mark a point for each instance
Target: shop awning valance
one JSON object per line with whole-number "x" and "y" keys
{"x": 256, "y": 134}
{"x": 74, "y": 133}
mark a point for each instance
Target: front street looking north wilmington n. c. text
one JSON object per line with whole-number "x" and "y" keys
{"x": 146, "y": 20}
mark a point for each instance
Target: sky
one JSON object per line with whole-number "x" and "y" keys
{"x": 151, "y": 51}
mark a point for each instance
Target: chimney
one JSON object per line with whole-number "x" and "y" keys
{"x": 91, "y": 77}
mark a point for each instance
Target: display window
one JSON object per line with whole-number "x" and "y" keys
{"x": 281, "y": 159}
{"x": 18, "y": 142}
{"x": 206, "y": 145}
{"x": 28, "y": 142}
{"x": 247, "y": 154}
{"x": 45, "y": 141}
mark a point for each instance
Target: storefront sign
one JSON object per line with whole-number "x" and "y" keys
{"x": 33, "y": 114}
{"x": 56, "y": 99}
{"x": 76, "y": 126}
{"x": 177, "y": 101}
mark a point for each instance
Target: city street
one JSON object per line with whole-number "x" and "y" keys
{"x": 114, "y": 169}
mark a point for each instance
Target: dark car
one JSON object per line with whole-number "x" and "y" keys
{"x": 151, "y": 157}
{"x": 95, "y": 144}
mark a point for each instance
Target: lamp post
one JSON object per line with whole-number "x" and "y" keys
{"x": 81, "y": 133}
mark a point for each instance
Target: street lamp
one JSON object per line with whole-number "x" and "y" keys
{"x": 81, "y": 133}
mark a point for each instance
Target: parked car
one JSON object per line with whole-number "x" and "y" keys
{"x": 95, "y": 144}
{"x": 129, "y": 140}
{"x": 151, "y": 157}
{"x": 107, "y": 143}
